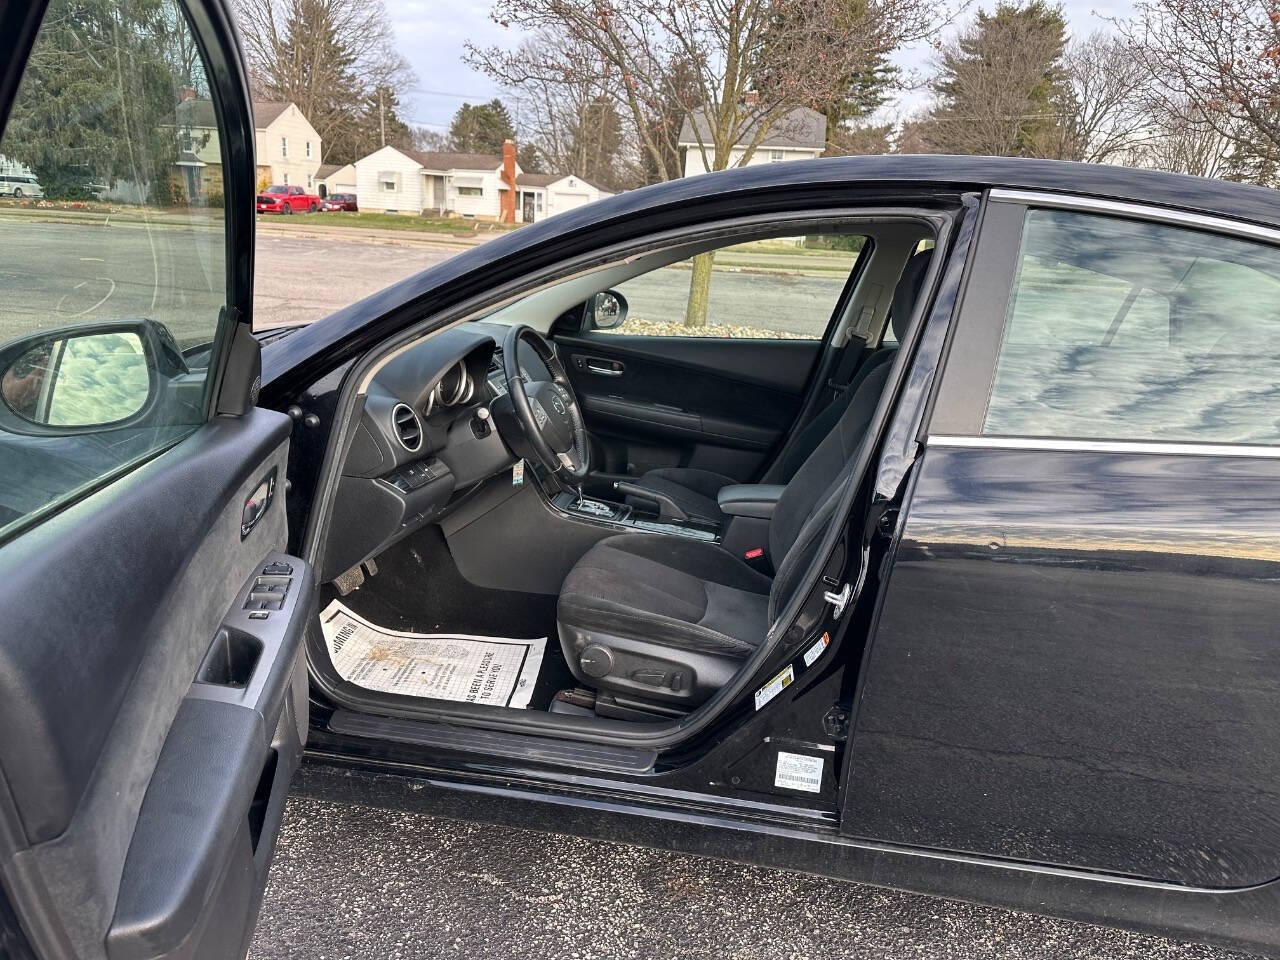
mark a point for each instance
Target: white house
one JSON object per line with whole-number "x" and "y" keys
{"x": 798, "y": 135}
{"x": 469, "y": 185}
{"x": 331, "y": 178}
{"x": 541, "y": 195}
{"x": 288, "y": 147}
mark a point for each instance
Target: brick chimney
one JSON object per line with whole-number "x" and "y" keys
{"x": 508, "y": 212}
{"x": 188, "y": 93}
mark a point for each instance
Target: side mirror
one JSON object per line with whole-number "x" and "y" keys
{"x": 608, "y": 310}
{"x": 83, "y": 378}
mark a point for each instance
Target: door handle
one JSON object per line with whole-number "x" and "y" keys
{"x": 605, "y": 368}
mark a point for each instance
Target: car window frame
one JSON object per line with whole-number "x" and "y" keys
{"x": 968, "y": 376}
{"x": 214, "y": 33}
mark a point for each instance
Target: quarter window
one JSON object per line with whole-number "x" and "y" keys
{"x": 107, "y": 335}
{"x": 1128, "y": 330}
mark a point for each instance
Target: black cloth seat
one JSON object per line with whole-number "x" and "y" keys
{"x": 694, "y": 490}
{"x": 668, "y": 619}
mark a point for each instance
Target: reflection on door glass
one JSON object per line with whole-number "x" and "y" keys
{"x": 113, "y": 278}
{"x": 1126, "y": 330}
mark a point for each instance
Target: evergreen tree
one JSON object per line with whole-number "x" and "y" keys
{"x": 74, "y": 126}
{"x": 481, "y": 128}
{"x": 1001, "y": 87}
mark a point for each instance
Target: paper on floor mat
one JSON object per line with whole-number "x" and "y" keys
{"x": 489, "y": 670}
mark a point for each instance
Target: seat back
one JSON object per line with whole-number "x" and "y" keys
{"x": 810, "y": 498}
{"x": 795, "y": 453}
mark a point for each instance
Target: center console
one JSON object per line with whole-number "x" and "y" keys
{"x": 627, "y": 519}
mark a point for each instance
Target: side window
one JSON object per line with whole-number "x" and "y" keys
{"x": 1125, "y": 330}
{"x": 107, "y": 334}
{"x": 767, "y": 289}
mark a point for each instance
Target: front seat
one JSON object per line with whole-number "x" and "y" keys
{"x": 664, "y": 619}
{"x": 694, "y": 491}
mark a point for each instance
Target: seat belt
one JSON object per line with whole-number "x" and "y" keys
{"x": 847, "y": 365}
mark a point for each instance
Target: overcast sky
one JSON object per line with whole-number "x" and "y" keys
{"x": 431, "y": 34}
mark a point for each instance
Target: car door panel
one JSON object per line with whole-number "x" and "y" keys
{"x": 1064, "y": 634}
{"x": 111, "y": 608}
{"x": 712, "y": 403}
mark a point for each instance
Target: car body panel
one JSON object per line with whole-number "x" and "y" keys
{"x": 286, "y": 199}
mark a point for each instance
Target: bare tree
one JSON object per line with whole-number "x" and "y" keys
{"x": 1181, "y": 140}
{"x": 1218, "y": 59}
{"x": 326, "y": 56}
{"x": 1105, "y": 116}
{"x": 785, "y": 52}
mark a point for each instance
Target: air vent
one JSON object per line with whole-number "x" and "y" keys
{"x": 405, "y": 423}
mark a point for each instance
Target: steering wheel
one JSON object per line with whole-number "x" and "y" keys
{"x": 547, "y": 409}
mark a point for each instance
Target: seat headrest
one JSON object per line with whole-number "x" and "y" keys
{"x": 907, "y": 291}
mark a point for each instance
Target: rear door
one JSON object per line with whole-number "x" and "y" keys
{"x": 714, "y": 382}
{"x": 151, "y": 694}
{"x": 1075, "y": 659}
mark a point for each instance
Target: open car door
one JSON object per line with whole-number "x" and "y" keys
{"x": 152, "y": 698}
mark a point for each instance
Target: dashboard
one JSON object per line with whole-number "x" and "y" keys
{"x": 424, "y": 439}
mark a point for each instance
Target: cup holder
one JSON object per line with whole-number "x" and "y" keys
{"x": 231, "y": 659}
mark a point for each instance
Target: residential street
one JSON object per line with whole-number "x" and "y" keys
{"x": 358, "y": 882}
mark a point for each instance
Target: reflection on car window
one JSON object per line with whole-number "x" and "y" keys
{"x": 779, "y": 289}
{"x": 1126, "y": 330}
{"x": 114, "y": 276}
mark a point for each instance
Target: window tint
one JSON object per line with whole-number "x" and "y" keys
{"x": 1126, "y": 330}
{"x": 780, "y": 289}
{"x": 113, "y": 286}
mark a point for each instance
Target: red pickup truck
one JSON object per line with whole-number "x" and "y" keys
{"x": 285, "y": 199}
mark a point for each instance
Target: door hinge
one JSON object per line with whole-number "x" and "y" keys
{"x": 838, "y": 599}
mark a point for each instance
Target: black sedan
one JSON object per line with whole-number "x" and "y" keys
{"x": 899, "y": 519}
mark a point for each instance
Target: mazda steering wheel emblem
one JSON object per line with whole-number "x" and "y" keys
{"x": 558, "y": 403}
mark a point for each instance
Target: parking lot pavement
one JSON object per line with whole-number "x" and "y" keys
{"x": 358, "y": 882}
{"x": 298, "y": 279}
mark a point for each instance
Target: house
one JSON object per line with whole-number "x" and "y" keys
{"x": 331, "y": 178}
{"x": 541, "y": 195}
{"x": 288, "y": 147}
{"x": 470, "y": 185}
{"x": 800, "y": 134}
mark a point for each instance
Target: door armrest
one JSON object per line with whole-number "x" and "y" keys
{"x": 750, "y": 499}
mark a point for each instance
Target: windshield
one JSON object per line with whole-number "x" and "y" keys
{"x": 277, "y": 189}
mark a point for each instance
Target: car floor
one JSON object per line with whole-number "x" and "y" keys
{"x": 418, "y": 589}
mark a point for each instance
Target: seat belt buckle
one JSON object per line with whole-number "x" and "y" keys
{"x": 756, "y": 559}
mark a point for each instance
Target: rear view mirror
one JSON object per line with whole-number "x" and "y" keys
{"x": 77, "y": 378}
{"x": 608, "y": 310}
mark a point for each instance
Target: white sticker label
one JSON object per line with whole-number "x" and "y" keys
{"x": 798, "y": 772}
{"x": 775, "y": 686}
{"x": 814, "y": 652}
{"x": 517, "y": 474}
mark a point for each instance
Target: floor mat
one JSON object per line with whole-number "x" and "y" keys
{"x": 496, "y": 671}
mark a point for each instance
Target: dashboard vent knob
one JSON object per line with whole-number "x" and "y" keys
{"x": 407, "y": 427}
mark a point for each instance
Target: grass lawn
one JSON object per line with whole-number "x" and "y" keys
{"x": 392, "y": 221}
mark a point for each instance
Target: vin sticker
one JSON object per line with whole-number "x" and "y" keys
{"x": 798, "y": 772}
{"x": 775, "y": 686}
{"x": 814, "y": 652}
{"x": 517, "y": 474}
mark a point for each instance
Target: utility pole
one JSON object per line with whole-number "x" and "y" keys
{"x": 382, "y": 117}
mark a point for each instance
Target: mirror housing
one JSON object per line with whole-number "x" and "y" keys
{"x": 607, "y": 310}
{"x": 86, "y": 377}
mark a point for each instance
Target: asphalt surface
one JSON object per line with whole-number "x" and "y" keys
{"x": 355, "y": 882}
{"x": 57, "y": 273}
